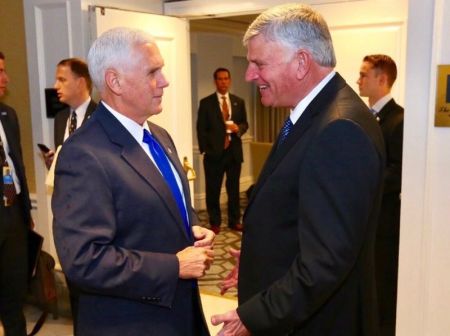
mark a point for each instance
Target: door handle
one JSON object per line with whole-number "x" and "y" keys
{"x": 189, "y": 170}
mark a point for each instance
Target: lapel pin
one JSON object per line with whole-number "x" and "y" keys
{"x": 4, "y": 113}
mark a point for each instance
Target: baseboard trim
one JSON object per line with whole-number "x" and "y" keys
{"x": 200, "y": 198}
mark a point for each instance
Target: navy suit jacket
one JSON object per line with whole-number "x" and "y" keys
{"x": 117, "y": 229}
{"x": 306, "y": 265}
{"x": 61, "y": 121}
{"x": 211, "y": 126}
{"x": 8, "y": 118}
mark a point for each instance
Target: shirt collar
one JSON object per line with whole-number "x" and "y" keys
{"x": 219, "y": 95}
{"x": 303, "y": 104}
{"x": 380, "y": 103}
{"x": 136, "y": 130}
{"x": 81, "y": 110}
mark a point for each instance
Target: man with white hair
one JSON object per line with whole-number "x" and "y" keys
{"x": 124, "y": 229}
{"x": 306, "y": 265}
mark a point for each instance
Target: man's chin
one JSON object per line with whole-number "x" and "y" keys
{"x": 156, "y": 111}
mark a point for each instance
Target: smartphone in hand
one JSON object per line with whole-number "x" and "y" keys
{"x": 44, "y": 149}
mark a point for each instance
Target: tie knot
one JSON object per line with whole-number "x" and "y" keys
{"x": 147, "y": 137}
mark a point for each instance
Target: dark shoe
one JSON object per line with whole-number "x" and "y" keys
{"x": 215, "y": 229}
{"x": 237, "y": 227}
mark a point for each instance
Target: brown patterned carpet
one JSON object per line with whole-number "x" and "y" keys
{"x": 223, "y": 262}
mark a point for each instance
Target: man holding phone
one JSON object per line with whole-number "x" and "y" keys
{"x": 73, "y": 86}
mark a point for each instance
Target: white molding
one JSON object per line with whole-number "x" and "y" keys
{"x": 206, "y": 8}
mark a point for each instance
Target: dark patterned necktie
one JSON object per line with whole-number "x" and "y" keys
{"x": 73, "y": 122}
{"x": 285, "y": 131}
{"x": 9, "y": 190}
{"x": 163, "y": 164}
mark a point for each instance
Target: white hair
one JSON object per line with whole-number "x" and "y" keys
{"x": 295, "y": 26}
{"x": 114, "y": 49}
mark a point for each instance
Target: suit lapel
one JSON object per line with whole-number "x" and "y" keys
{"x": 385, "y": 110}
{"x": 89, "y": 110}
{"x": 319, "y": 104}
{"x": 217, "y": 108}
{"x": 135, "y": 156}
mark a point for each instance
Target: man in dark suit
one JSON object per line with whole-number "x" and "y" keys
{"x": 222, "y": 120}
{"x": 306, "y": 263}
{"x": 15, "y": 218}
{"x": 376, "y": 77}
{"x": 124, "y": 229}
{"x": 74, "y": 87}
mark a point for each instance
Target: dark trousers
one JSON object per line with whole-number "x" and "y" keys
{"x": 386, "y": 262}
{"x": 74, "y": 296}
{"x": 215, "y": 169}
{"x": 13, "y": 270}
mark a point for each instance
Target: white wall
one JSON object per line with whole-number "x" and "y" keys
{"x": 424, "y": 290}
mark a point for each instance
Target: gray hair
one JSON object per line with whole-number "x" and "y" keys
{"x": 114, "y": 49}
{"x": 295, "y": 26}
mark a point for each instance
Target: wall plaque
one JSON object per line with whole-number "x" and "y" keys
{"x": 442, "y": 113}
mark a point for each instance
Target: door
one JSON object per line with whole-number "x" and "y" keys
{"x": 172, "y": 37}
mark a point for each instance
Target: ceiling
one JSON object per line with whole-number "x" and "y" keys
{"x": 230, "y": 24}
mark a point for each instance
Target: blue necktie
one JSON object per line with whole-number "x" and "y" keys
{"x": 166, "y": 170}
{"x": 285, "y": 131}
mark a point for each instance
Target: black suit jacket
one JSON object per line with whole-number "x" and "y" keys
{"x": 306, "y": 265}
{"x": 61, "y": 121}
{"x": 117, "y": 229}
{"x": 211, "y": 126}
{"x": 390, "y": 119}
{"x": 10, "y": 122}
{"x": 391, "y": 123}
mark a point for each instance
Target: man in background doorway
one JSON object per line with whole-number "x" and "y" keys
{"x": 222, "y": 120}
{"x": 15, "y": 217}
{"x": 74, "y": 86}
{"x": 376, "y": 77}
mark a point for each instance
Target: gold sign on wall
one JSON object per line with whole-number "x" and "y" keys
{"x": 442, "y": 114}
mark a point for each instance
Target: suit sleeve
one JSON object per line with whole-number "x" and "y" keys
{"x": 338, "y": 183}
{"x": 85, "y": 231}
{"x": 242, "y": 121}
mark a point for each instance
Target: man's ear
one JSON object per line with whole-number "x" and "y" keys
{"x": 383, "y": 79}
{"x": 82, "y": 82}
{"x": 113, "y": 81}
{"x": 303, "y": 62}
